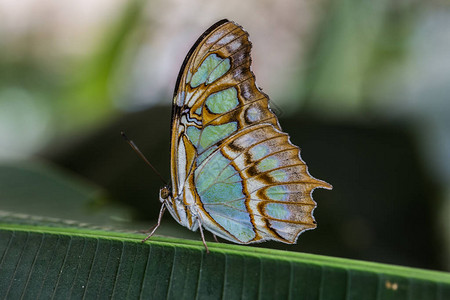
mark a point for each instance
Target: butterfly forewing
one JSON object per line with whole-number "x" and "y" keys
{"x": 232, "y": 166}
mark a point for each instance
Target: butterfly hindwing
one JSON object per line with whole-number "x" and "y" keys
{"x": 230, "y": 159}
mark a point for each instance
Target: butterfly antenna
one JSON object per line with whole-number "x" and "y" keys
{"x": 136, "y": 149}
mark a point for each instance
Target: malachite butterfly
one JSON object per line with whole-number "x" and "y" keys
{"x": 234, "y": 171}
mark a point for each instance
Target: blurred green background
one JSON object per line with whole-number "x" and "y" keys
{"x": 361, "y": 86}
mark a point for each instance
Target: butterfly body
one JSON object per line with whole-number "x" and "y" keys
{"x": 233, "y": 171}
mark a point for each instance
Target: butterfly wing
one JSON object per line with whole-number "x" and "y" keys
{"x": 230, "y": 159}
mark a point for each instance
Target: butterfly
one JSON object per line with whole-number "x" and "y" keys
{"x": 234, "y": 172}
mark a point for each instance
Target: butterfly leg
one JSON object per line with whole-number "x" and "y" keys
{"x": 153, "y": 229}
{"x": 201, "y": 233}
{"x": 215, "y": 238}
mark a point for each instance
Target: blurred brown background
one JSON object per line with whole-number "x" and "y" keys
{"x": 361, "y": 86}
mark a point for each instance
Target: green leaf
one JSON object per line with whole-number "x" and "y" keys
{"x": 39, "y": 191}
{"x": 62, "y": 263}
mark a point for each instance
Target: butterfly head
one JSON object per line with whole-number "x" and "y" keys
{"x": 176, "y": 208}
{"x": 165, "y": 197}
{"x": 164, "y": 194}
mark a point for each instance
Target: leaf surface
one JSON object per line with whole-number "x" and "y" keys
{"x": 61, "y": 263}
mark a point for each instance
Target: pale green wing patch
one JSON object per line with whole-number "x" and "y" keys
{"x": 212, "y": 68}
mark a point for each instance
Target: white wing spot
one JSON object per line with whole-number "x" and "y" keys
{"x": 246, "y": 91}
{"x": 214, "y": 38}
{"x": 226, "y": 40}
{"x": 180, "y": 98}
{"x": 252, "y": 114}
{"x": 234, "y": 46}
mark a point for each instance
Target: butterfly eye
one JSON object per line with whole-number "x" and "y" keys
{"x": 164, "y": 193}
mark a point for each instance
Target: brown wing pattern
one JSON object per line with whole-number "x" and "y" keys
{"x": 262, "y": 186}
